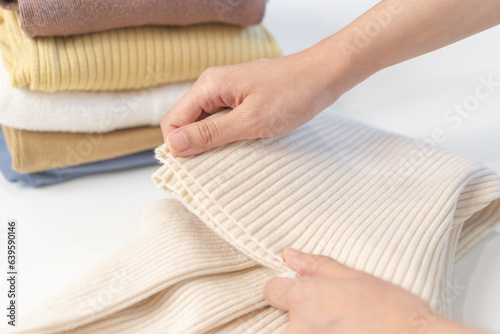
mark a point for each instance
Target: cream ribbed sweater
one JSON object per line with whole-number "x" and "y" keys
{"x": 378, "y": 202}
{"x": 126, "y": 58}
{"x": 65, "y": 111}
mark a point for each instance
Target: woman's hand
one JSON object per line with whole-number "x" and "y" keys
{"x": 332, "y": 298}
{"x": 268, "y": 97}
{"x": 272, "y": 97}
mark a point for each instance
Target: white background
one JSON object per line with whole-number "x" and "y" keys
{"x": 64, "y": 230}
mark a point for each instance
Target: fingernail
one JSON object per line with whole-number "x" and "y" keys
{"x": 292, "y": 258}
{"x": 292, "y": 252}
{"x": 177, "y": 142}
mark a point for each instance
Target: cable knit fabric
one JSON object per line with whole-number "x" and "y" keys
{"x": 378, "y": 202}
{"x": 127, "y": 58}
{"x": 87, "y": 112}
{"x": 40, "y": 151}
{"x": 62, "y": 17}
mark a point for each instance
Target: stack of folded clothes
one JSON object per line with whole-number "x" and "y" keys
{"x": 85, "y": 83}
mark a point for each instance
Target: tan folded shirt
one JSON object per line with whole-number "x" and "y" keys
{"x": 126, "y": 58}
{"x": 375, "y": 201}
{"x": 63, "y": 17}
{"x": 38, "y": 151}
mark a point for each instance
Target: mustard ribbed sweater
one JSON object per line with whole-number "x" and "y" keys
{"x": 382, "y": 203}
{"x": 126, "y": 58}
{"x": 34, "y": 151}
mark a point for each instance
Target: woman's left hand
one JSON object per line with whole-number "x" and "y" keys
{"x": 332, "y": 298}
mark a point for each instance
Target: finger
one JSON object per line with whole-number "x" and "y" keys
{"x": 316, "y": 265}
{"x": 211, "y": 132}
{"x": 277, "y": 292}
{"x": 189, "y": 109}
{"x": 203, "y": 97}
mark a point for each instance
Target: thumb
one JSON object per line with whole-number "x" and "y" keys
{"x": 209, "y": 133}
{"x": 316, "y": 265}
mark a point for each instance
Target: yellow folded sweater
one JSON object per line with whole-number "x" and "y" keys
{"x": 126, "y": 58}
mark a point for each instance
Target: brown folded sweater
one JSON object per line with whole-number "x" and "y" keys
{"x": 63, "y": 17}
{"x": 38, "y": 151}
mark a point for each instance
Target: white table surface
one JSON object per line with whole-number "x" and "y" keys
{"x": 64, "y": 230}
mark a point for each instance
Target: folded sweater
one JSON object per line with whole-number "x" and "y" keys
{"x": 126, "y": 58}
{"x": 59, "y": 175}
{"x": 88, "y": 112}
{"x": 379, "y": 202}
{"x": 40, "y": 151}
{"x": 62, "y": 17}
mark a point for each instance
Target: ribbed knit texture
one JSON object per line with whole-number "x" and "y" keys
{"x": 378, "y": 202}
{"x": 62, "y": 17}
{"x": 172, "y": 264}
{"x": 88, "y": 112}
{"x": 126, "y": 58}
{"x": 59, "y": 175}
{"x": 39, "y": 151}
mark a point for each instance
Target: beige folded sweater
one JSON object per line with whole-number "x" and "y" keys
{"x": 382, "y": 203}
{"x": 34, "y": 151}
{"x": 63, "y": 17}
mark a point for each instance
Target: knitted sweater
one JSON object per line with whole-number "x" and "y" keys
{"x": 382, "y": 203}
{"x": 64, "y": 174}
{"x": 39, "y": 151}
{"x": 62, "y": 17}
{"x": 126, "y": 58}
{"x": 70, "y": 111}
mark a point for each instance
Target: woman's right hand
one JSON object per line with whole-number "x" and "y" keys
{"x": 271, "y": 97}
{"x": 268, "y": 97}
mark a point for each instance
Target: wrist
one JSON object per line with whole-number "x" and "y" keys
{"x": 322, "y": 75}
{"x": 339, "y": 68}
{"x": 365, "y": 46}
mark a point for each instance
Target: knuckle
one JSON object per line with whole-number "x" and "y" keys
{"x": 208, "y": 132}
{"x": 261, "y": 61}
{"x": 313, "y": 263}
{"x": 210, "y": 85}
{"x": 211, "y": 74}
{"x": 164, "y": 121}
{"x": 275, "y": 296}
{"x": 208, "y": 72}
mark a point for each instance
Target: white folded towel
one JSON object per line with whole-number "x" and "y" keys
{"x": 378, "y": 202}
{"x": 22, "y": 108}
